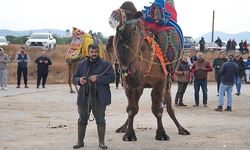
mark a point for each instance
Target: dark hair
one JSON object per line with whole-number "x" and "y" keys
{"x": 93, "y": 46}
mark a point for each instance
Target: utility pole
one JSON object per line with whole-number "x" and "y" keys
{"x": 213, "y": 27}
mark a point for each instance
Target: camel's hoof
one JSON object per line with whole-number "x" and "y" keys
{"x": 129, "y": 136}
{"x": 121, "y": 130}
{"x": 162, "y": 136}
{"x": 72, "y": 91}
{"x": 183, "y": 131}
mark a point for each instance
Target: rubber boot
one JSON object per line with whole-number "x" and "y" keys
{"x": 101, "y": 136}
{"x": 81, "y": 135}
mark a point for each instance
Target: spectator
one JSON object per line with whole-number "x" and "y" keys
{"x": 241, "y": 46}
{"x": 192, "y": 60}
{"x": 202, "y": 44}
{"x": 218, "y": 42}
{"x": 43, "y": 63}
{"x": 239, "y": 61}
{"x": 247, "y": 71}
{"x": 183, "y": 76}
{"x": 22, "y": 60}
{"x": 229, "y": 46}
{"x": 200, "y": 68}
{"x": 93, "y": 75}
{"x": 217, "y": 64}
{"x": 228, "y": 72}
{"x": 4, "y": 59}
{"x": 234, "y": 44}
{"x": 245, "y": 47}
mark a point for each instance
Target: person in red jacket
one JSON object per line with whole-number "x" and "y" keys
{"x": 200, "y": 68}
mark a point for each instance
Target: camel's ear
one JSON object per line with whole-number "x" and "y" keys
{"x": 138, "y": 15}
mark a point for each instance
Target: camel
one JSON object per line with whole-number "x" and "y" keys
{"x": 140, "y": 69}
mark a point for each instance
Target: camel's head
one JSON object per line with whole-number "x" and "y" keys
{"x": 129, "y": 32}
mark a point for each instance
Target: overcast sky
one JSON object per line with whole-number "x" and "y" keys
{"x": 194, "y": 16}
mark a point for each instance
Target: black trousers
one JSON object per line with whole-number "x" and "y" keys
{"x": 42, "y": 75}
{"x": 21, "y": 71}
{"x": 182, "y": 86}
{"x": 97, "y": 109}
{"x": 117, "y": 78}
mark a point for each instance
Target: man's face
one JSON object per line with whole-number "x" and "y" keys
{"x": 237, "y": 57}
{"x": 22, "y": 51}
{"x": 222, "y": 55}
{"x": 93, "y": 54}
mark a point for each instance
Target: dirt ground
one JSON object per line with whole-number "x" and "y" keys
{"x": 47, "y": 119}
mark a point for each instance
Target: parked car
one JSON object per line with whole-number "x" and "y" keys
{"x": 41, "y": 40}
{"x": 189, "y": 43}
{"x": 211, "y": 46}
{"x": 3, "y": 41}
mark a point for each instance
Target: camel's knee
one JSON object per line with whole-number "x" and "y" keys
{"x": 132, "y": 111}
{"x": 157, "y": 111}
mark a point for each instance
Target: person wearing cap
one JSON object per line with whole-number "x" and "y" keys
{"x": 182, "y": 77}
{"x": 217, "y": 64}
{"x": 228, "y": 72}
{"x": 22, "y": 60}
{"x": 200, "y": 68}
{"x": 4, "y": 59}
{"x": 93, "y": 75}
{"x": 240, "y": 62}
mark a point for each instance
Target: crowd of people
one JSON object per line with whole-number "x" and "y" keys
{"x": 228, "y": 70}
{"x": 231, "y": 45}
{"x": 22, "y": 59}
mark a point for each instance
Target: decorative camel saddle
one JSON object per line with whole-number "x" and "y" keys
{"x": 162, "y": 31}
{"x": 79, "y": 45}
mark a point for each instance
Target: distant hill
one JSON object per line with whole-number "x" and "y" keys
{"x": 59, "y": 33}
{"x": 225, "y": 36}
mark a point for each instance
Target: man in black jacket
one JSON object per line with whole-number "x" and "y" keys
{"x": 43, "y": 63}
{"x": 217, "y": 64}
{"x": 93, "y": 75}
{"x": 228, "y": 73}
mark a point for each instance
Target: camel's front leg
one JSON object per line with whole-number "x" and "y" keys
{"x": 132, "y": 109}
{"x": 123, "y": 128}
{"x": 157, "y": 110}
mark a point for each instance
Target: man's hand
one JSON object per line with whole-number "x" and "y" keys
{"x": 82, "y": 80}
{"x": 92, "y": 78}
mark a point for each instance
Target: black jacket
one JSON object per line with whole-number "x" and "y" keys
{"x": 228, "y": 72}
{"x": 105, "y": 75}
{"x": 41, "y": 65}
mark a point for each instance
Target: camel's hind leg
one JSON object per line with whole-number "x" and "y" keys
{"x": 71, "y": 68}
{"x": 157, "y": 109}
{"x": 170, "y": 110}
{"x": 132, "y": 110}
